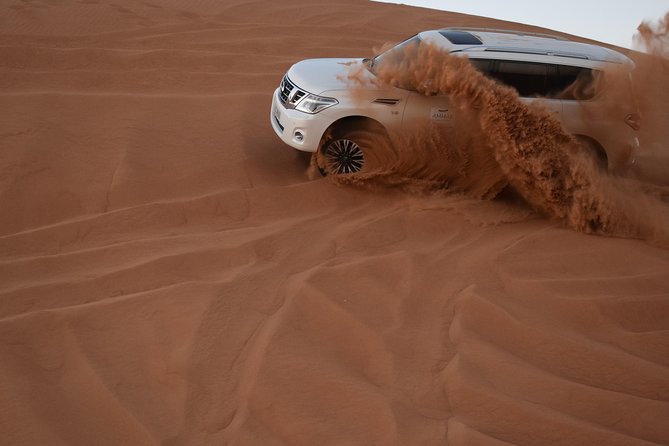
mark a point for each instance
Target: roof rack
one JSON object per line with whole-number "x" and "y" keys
{"x": 507, "y": 31}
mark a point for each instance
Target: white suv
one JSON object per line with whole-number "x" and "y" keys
{"x": 315, "y": 108}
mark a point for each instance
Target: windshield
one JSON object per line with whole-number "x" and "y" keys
{"x": 395, "y": 54}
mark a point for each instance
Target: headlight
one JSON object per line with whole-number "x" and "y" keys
{"x": 313, "y": 104}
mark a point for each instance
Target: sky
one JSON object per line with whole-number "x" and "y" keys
{"x": 603, "y": 20}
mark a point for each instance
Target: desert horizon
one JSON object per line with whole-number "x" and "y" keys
{"x": 172, "y": 273}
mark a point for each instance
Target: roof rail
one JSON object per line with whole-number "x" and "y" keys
{"x": 507, "y": 31}
{"x": 503, "y": 49}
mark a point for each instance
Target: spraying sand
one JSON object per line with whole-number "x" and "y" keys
{"x": 533, "y": 153}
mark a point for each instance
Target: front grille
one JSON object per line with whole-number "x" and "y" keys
{"x": 289, "y": 93}
{"x": 286, "y": 87}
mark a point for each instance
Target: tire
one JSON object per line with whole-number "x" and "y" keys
{"x": 595, "y": 154}
{"x": 347, "y": 152}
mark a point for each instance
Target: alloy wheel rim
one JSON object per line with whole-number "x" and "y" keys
{"x": 344, "y": 156}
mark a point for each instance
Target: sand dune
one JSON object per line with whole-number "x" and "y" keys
{"x": 171, "y": 273}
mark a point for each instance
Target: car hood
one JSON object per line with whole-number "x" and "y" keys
{"x": 319, "y": 75}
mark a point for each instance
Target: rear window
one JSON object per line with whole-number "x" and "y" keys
{"x": 532, "y": 79}
{"x": 460, "y": 37}
{"x": 574, "y": 82}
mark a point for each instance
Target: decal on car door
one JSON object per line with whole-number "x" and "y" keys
{"x": 440, "y": 114}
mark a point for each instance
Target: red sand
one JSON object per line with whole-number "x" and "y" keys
{"x": 169, "y": 273}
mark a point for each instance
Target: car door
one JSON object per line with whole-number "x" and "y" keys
{"x": 423, "y": 112}
{"x": 530, "y": 79}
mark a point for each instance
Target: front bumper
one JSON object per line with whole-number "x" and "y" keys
{"x": 297, "y": 129}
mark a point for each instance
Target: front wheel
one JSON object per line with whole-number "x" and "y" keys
{"x": 352, "y": 150}
{"x": 342, "y": 156}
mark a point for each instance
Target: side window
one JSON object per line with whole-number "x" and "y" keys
{"x": 483, "y": 65}
{"x": 530, "y": 79}
{"x": 533, "y": 79}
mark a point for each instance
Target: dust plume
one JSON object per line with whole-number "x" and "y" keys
{"x": 649, "y": 80}
{"x": 653, "y": 38}
{"x": 446, "y": 162}
{"x": 515, "y": 143}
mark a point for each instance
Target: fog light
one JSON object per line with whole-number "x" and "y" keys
{"x": 299, "y": 137}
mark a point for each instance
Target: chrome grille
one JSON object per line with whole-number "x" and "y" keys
{"x": 289, "y": 93}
